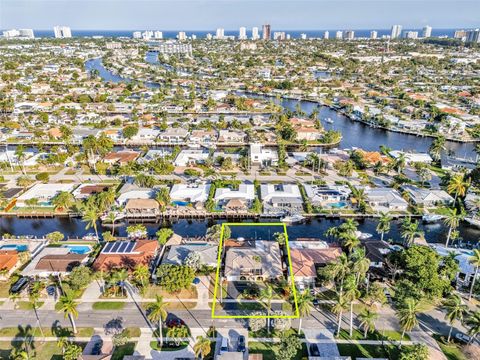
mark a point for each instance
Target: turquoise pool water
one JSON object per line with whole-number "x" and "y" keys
{"x": 338, "y": 205}
{"x": 17, "y": 247}
{"x": 180, "y": 203}
{"x": 79, "y": 249}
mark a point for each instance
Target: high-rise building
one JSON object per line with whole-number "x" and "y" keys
{"x": 410, "y": 34}
{"x": 62, "y": 32}
{"x": 137, "y": 34}
{"x": 473, "y": 36}
{"x": 339, "y": 34}
{"x": 255, "y": 34}
{"x": 194, "y": 37}
{"x": 266, "y": 32}
{"x": 349, "y": 34}
{"x": 279, "y": 35}
{"x": 209, "y": 36}
{"x": 220, "y": 33}
{"x": 158, "y": 35}
{"x": 427, "y": 31}
{"x": 326, "y": 35}
{"x": 396, "y": 31}
{"x": 373, "y": 34}
{"x": 303, "y": 36}
{"x": 182, "y": 35}
{"x": 242, "y": 33}
{"x": 460, "y": 34}
{"x": 19, "y": 34}
{"x": 147, "y": 35}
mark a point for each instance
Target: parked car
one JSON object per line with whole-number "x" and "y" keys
{"x": 51, "y": 290}
{"x": 241, "y": 344}
{"x": 462, "y": 337}
{"x": 314, "y": 350}
{"x": 224, "y": 347}
{"x": 19, "y": 285}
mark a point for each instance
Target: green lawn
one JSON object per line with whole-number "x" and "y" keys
{"x": 156, "y": 346}
{"x": 108, "y": 305}
{"x": 81, "y": 332}
{"x": 27, "y": 305}
{"x": 370, "y": 351}
{"x": 451, "y": 350}
{"x": 266, "y": 349}
{"x": 121, "y": 351}
{"x": 377, "y": 335}
{"x": 41, "y": 351}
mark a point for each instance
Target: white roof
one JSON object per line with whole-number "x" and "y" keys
{"x": 186, "y": 156}
{"x": 268, "y": 191}
{"x": 45, "y": 191}
{"x": 412, "y": 157}
{"x": 245, "y": 191}
{"x": 192, "y": 193}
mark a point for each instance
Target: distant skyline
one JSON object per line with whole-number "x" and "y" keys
{"x": 231, "y": 14}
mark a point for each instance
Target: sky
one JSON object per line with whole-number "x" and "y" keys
{"x": 231, "y": 14}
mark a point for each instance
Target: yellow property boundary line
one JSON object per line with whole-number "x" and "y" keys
{"x": 296, "y": 315}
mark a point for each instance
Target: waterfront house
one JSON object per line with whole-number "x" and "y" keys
{"x": 428, "y": 198}
{"x": 191, "y": 157}
{"x": 44, "y": 193}
{"x": 9, "y": 262}
{"x": 376, "y": 251}
{"x": 54, "y": 261}
{"x": 412, "y": 157}
{"x": 260, "y": 262}
{"x": 145, "y": 135}
{"x": 385, "y": 199}
{"x": 177, "y": 254}
{"x": 173, "y": 135}
{"x": 231, "y": 137}
{"x": 121, "y": 157}
{"x": 203, "y": 137}
{"x": 125, "y": 255}
{"x": 307, "y": 257}
{"x": 86, "y": 190}
{"x": 154, "y": 154}
{"x": 281, "y": 198}
{"x": 260, "y": 156}
{"x": 235, "y": 198}
{"x": 131, "y": 191}
{"x": 327, "y": 196}
{"x": 189, "y": 193}
{"x": 142, "y": 208}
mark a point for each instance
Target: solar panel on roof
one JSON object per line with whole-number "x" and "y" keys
{"x": 122, "y": 247}
{"x": 116, "y": 246}
{"x": 108, "y": 247}
{"x": 130, "y": 247}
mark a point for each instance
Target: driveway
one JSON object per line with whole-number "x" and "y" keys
{"x": 326, "y": 349}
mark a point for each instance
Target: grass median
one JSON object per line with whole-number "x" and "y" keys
{"x": 108, "y": 305}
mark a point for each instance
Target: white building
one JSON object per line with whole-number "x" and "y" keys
{"x": 242, "y": 33}
{"x": 244, "y": 192}
{"x": 303, "y": 36}
{"x": 19, "y": 34}
{"x": 410, "y": 35}
{"x": 182, "y": 35}
{"x": 326, "y": 35}
{"x": 191, "y": 157}
{"x": 255, "y": 33}
{"x": 132, "y": 191}
{"x": 220, "y": 34}
{"x": 190, "y": 192}
{"x": 385, "y": 199}
{"x": 349, "y": 35}
{"x": 281, "y": 198}
{"x": 279, "y": 35}
{"x": 137, "y": 34}
{"x": 44, "y": 193}
{"x": 62, "y": 32}
{"x": 158, "y": 35}
{"x": 339, "y": 35}
{"x": 396, "y": 31}
{"x": 373, "y": 34}
{"x": 260, "y": 156}
{"x": 412, "y": 157}
{"x": 427, "y": 31}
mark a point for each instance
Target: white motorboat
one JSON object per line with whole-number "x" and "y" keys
{"x": 329, "y": 120}
{"x": 431, "y": 218}
{"x": 363, "y": 236}
{"x": 293, "y": 219}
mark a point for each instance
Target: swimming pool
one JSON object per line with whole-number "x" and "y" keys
{"x": 338, "y": 205}
{"x": 17, "y": 247}
{"x": 79, "y": 249}
{"x": 180, "y": 203}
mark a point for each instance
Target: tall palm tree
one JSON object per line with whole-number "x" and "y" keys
{"x": 436, "y": 148}
{"x": 340, "y": 269}
{"x": 351, "y": 295}
{"x": 68, "y": 306}
{"x": 410, "y": 231}
{"x": 383, "y": 224}
{"x": 111, "y": 218}
{"x": 458, "y": 185}
{"x": 202, "y": 347}
{"x": 350, "y": 243}
{"x": 141, "y": 274}
{"x": 266, "y": 295}
{"x": 452, "y": 220}
{"x": 407, "y": 315}
{"x": 367, "y": 320}
{"x": 455, "y": 311}
{"x": 473, "y": 322}
{"x": 361, "y": 263}
{"x": 63, "y": 200}
{"x": 305, "y": 303}
{"x": 122, "y": 276}
{"x": 91, "y": 216}
{"x": 157, "y": 313}
{"x": 400, "y": 163}
{"x": 474, "y": 260}
{"x": 62, "y": 343}
{"x": 338, "y": 308}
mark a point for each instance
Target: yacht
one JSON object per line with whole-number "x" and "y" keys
{"x": 329, "y": 120}
{"x": 431, "y": 218}
{"x": 293, "y": 219}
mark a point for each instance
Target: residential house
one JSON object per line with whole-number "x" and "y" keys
{"x": 428, "y": 198}
{"x": 154, "y": 154}
{"x": 327, "y": 196}
{"x": 203, "y": 137}
{"x": 191, "y": 157}
{"x": 260, "y": 262}
{"x": 142, "y": 208}
{"x": 189, "y": 193}
{"x": 260, "y": 156}
{"x": 376, "y": 251}
{"x": 173, "y": 135}
{"x": 385, "y": 199}
{"x": 54, "y": 261}
{"x": 231, "y": 137}
{"x": 131, "y": 191}
{"x": 126, "y": 254}
{"x": 145, "y": 135}
{"x": 86, "y": 190}
{"x": 8, "y": 262}
{"x": 44, "y": 193}
{"x": 177, "y": 254}
{"x": 121, "y": 157}
{"x": 281, "y": 198}
{"x": 235, "y": 199}
{"x": 412, "y": 157}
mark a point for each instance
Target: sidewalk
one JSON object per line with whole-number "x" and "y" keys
{"x": 425, "y": 338}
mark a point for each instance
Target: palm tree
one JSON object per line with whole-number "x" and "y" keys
{"x": 350, "y": 243}
{"x": 359, "y": 195}
{"x": 473, "y": 322}
{"x": 267, "y": 294}
{"x": 157, "y": 313}
{"x": 304, "y": 303}
{"x": 91, "y": 216}
{"x": 474, "y": 260}
{"x": 455, "y": 311}
{"x": 202, "y": 347}
{"x": 68, "y": 306}
{"x": 111, "y": 218}
{"x": 62, "y": 343}
{"x": 400, "y": 163}
{"x": 338, "y": 308}
{"x": 367, "y": 320}
{"x": 351, "y": 295}
{"x": 384, "y": 224}
{"x": 63, "y": 200}
{"x": 122, "y": 276}
{"x": 452, "y": 220}
{"x": 407, "y": 315}
{"x": 361, "y": 263}
{"x": 141, "y": 274}
{"x": 340, "y": 269}
{"x": 458, "y": 186}
{"x": 436, "y": 148}
{"x": 410, "y": 231}
{"x": 18, "y": 354}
